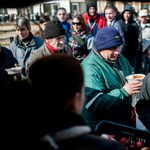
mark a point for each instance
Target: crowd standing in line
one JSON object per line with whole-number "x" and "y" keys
{"x": 108, "y": 47}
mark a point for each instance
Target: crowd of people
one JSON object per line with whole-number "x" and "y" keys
{"x": 75, "y": 74}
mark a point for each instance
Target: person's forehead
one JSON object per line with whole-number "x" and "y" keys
{"x": 109, "y": 10}
{"x": 61, "y": 11}
{"x": 92, "y": 8}
{"x": 21, "y": 27}
{"x": 127, "y": 11}
{"x": 60, "y": 36}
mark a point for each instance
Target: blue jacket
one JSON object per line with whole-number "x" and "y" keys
{"x": 23, "y": 55}
{"x": 67, "y": 27}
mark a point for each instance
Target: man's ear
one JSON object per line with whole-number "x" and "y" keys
{"x": 29, "y": 28}
{"x": 73, "y": 104}
{"x": 76, "y": 102}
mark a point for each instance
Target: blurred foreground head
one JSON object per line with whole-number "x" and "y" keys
{"x": 54, "y": 83}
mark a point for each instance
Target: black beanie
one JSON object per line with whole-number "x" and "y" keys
{"x": 53, "y": 28}
{"x": 90, "y": 4}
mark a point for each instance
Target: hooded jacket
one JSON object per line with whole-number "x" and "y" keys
{"x": 131, "y": 33}
{"x": 105, "y": 99}
{"x": 94, "y": 23}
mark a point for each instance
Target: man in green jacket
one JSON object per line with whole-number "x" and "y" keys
{"x": 107, "y": 93}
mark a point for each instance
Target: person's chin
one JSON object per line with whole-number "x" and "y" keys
{"x": 92, "y": 14}
{"x": 22, "y": 37}
{"x": 60, "y": 48}
{"x": 113, "y": 59}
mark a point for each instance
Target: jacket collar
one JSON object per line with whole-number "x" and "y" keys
{"x": 66, "y": 134}
{"x": 101, "y": 57}
{"x": 30, "y": 43}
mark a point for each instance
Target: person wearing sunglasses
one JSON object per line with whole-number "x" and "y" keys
{"x": 80, "y": 41}
{"x": 94, "y": 21}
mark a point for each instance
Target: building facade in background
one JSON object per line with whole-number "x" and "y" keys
{"x": 50, "y": 7}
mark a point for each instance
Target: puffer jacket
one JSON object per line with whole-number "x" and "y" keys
{"x": 105, "y": 99}
{"x": 78, "y": 50}
{"x": 23, "y": 55}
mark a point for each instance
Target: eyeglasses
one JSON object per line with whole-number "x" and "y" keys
{"x": 77, "y": 23}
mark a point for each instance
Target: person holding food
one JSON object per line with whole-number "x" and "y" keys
{"x": 24, "y": 44}
{"x": 6, "y": 61}
{"x": 107, "y": 93}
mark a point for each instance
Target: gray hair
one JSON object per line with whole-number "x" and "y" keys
{"x": 20, "y": 21}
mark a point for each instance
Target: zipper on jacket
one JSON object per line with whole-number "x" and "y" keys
{"x": 119, "y": 75}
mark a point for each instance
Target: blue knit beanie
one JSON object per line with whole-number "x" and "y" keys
{"x": 107, "y": 37}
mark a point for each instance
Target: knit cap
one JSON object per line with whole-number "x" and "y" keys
{"x": 53, "y": 28}
{"x": 143, "y": 13}
{"x": 107, "y": 37}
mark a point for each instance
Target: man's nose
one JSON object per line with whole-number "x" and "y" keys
{"x": 117, "y": 50}
{"x": 61, "y": 40}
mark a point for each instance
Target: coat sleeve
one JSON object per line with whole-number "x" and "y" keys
{"x": 97, "y": 97}
{"x": 89, "y": 41}
{"x": 143, "y": 110}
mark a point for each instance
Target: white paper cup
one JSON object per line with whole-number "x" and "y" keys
{"x": 135, "y": 77}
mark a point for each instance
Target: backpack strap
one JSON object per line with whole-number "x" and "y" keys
{"x": 80, "y": 41}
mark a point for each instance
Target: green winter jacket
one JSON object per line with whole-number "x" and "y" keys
{"x": 105, "y": 99}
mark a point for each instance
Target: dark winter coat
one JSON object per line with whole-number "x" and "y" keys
{"x": 143, "y": 105}
{"x": 131, "y": 33}
{"x": 6, "y": 61}
{"x": 78, "y": 50}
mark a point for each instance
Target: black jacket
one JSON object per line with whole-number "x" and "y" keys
{"x": 6, "y": 61}
{"x": 143, "y": 105}
{"x": 131, "y": 33}
{"x": 66, "y": 131}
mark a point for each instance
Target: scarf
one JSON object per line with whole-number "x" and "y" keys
{"x": 91, "y": 19}
{"x": 51, "y": 49}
